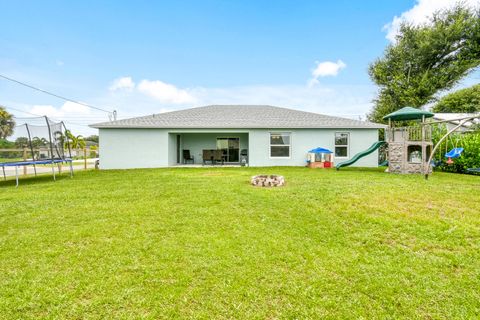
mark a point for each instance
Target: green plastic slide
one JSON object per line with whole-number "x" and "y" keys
{"x": 383, "y": 163}
{"x": 359, "y": 155}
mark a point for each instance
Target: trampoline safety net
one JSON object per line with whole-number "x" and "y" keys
{"x": 41, "y": 139}
{"x": 38, "y": 141}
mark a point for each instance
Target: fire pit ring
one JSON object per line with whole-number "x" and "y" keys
{"x": 264, "y": 180}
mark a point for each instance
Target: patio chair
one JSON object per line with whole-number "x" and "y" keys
{"x": 187, "y": 157}
{"x": 207, "y": 155}
{"x": 218, "y": 156}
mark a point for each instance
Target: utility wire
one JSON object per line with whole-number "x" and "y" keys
{"x": 33, "y": 114}
{"x": 56, "y": 95}
{"x": 40, "y": 116}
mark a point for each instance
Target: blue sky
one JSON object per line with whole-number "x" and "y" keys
{"x": 143, "y": 57}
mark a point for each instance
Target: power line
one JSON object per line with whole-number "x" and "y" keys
{"x": 114, "y": 112}
{"x": 33, "y": 114}
{"x": 40, "y": 116}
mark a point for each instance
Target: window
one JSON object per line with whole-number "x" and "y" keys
{"x": 230, "y": 148}
{"x": 280, "y": 145}
{"x": 341, "y": 144}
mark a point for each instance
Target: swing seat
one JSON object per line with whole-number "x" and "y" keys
{"x": 454, "y": 153}
{"x": 436, "y": 163}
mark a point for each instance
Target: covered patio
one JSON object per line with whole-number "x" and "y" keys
{"x": 213, "y": 148}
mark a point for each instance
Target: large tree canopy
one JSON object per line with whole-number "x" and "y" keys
{"x": 463, "y": 101}
{"x": 426, "y": 59}
{"x": 6, "y": 123}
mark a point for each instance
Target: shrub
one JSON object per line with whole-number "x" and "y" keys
{"x": 470, "y": 157}
{"x": 5, "y": 144}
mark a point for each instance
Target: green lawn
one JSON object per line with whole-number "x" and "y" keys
{"x": 10, "y": 159}
{"x": 203, "y": 243}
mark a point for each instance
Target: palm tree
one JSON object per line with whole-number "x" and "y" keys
{"x": 76, "y": 142}
{"x": 61, "y": 139}
{"x": 39, "y": 142}
{"x": 6, "y": 123}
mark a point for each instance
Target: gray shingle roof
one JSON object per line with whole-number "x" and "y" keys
{"x": 237, "y": 117}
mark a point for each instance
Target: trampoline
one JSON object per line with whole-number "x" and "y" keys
{"x": 44, "y": 143}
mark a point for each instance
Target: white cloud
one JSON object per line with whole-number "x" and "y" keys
{"x": 165, "y": 92}
{"x": 421, "y": 12}
{"x": 156, "y": 89}
{"x": 72, "y": 107}
{"x": 333, "y": 99}
{"x": 328, "y": 68}
{"x": 59, "y": 63}
{"x": 68, "y": 109}
{"x": 47, "y": 110}
{"x": 76, "y": 117}
{"x": 123, "y": 83}
{"x": 155, "y": 96}
{"x": 325, "y": 69}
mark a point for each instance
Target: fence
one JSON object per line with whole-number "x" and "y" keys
{"x": 413, "y": 133}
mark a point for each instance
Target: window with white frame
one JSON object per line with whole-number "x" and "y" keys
{"x": 341, "y": 144}
{"x": 280, "y": 144}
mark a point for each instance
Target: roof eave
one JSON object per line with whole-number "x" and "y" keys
{"x": 377, "y": 126}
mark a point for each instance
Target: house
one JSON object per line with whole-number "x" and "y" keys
{"x": 454, "y": 119}
{"x": 262, "y": 135}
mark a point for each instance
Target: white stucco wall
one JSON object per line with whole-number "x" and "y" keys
{"x": 150, "y": 148}
{"x": 172, "y": 149}
{"x": 303, "y": 140}
{"x": 133, "y": 148}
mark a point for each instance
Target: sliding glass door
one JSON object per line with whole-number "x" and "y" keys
{"x": 230, "y": 148}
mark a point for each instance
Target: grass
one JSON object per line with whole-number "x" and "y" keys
{"x": 203, "y": 243}
{"x": 10, "y": 159}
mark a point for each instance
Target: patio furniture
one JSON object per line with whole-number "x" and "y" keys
{"x": 187, "y": 157}
{"x": 212, "y": 155}
{"x": 218, "y": 156}
{"x": 244, "y": 157}
{"x": 207, "y": 156}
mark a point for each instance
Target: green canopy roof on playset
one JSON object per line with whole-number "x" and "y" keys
{"x": 408, "y": 113}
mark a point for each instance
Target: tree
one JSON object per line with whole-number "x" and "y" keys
{"x": 5, "y": 144}
{"x": 21, "y": 142}
{"x": 39, "y": 142}
{"x": 93, "y": 138}
{"x": 6, "y": 123}
{"x": 76, "y": 142}
{"x": 426, "y": 59}
{"x": 462, "y": 101}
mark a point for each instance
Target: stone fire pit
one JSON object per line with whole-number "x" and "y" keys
{"x": 267, "y": 181}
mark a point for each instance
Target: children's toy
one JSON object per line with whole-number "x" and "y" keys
{"x": 319, "y": 158}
